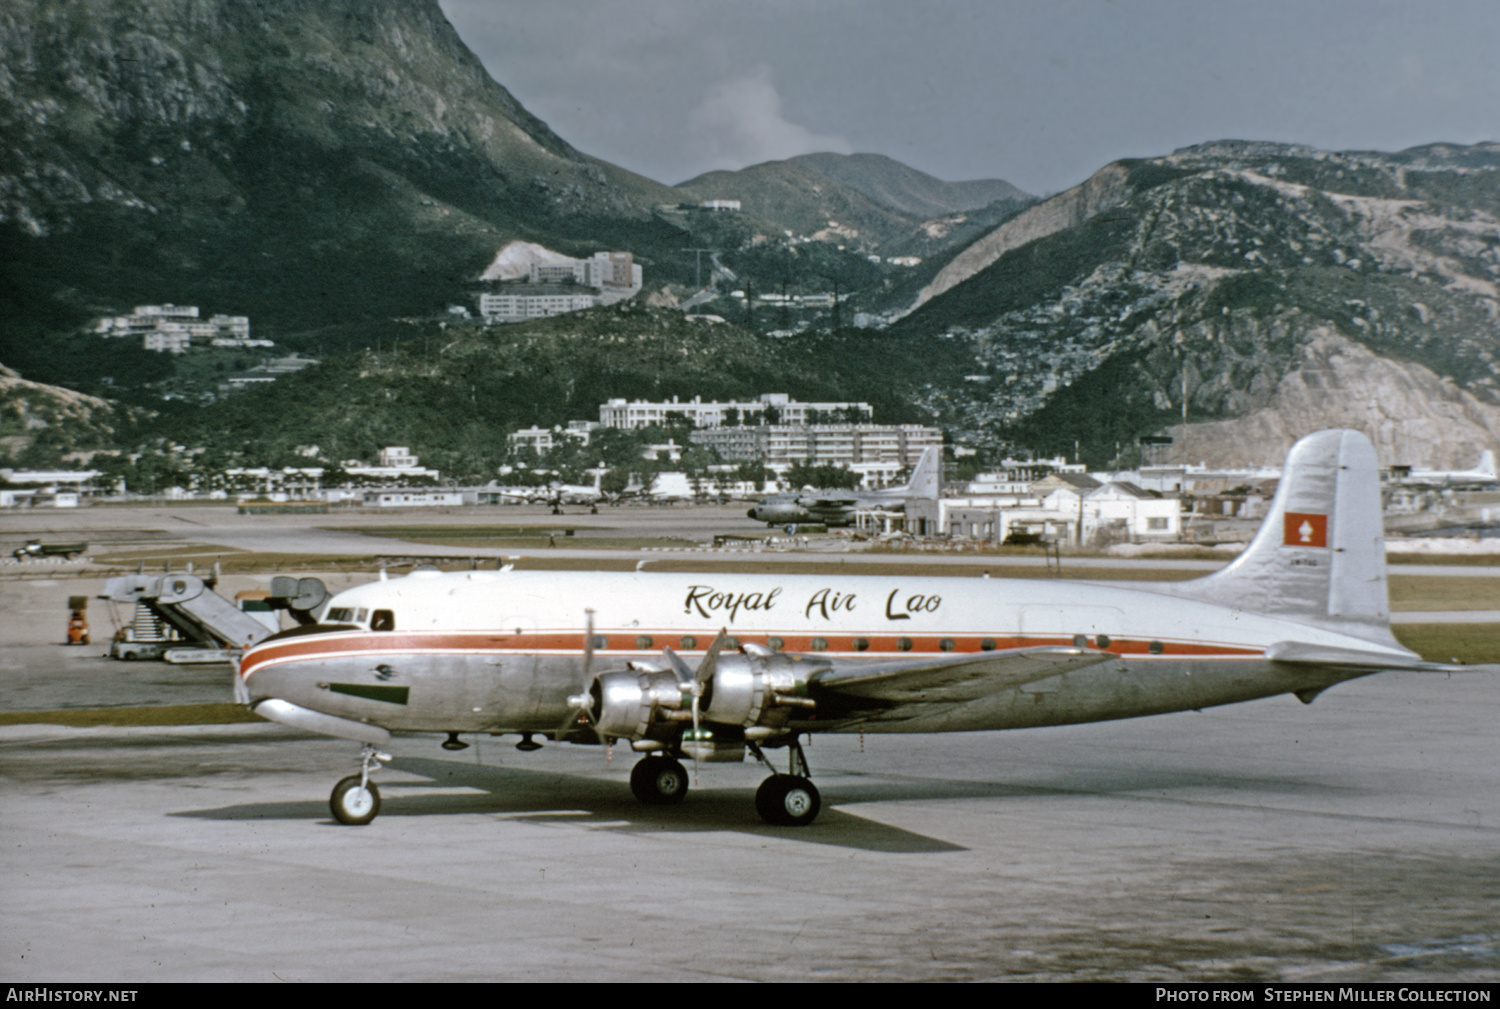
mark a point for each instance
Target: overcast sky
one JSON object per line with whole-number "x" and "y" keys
{"x": 1038, "y": 92}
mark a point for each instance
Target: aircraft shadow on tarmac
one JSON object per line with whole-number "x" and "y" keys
{"x": 543, "y": 796}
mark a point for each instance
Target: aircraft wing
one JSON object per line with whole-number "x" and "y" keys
{"x": 950, "y": 680}
{"x": 827, "y": 502}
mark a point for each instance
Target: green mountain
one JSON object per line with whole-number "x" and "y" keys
{"x": 452, "y": 392}
{"x": 912, "y": 192}
{"x": 305, "y": 162}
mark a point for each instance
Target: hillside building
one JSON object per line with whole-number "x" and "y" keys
{"x": 562, "y": 285}
{"x": 878, "y": 452}
{"x": 396, "y": 463}
{"x": 777, "y": 406}
{"x": 176, "y": 329}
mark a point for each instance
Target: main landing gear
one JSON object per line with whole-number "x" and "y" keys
{"x": 659, "y": 781}
{"x": 355, "y": 799}
{"x": 787, "y": 800}
{"x": 783, "y": 800}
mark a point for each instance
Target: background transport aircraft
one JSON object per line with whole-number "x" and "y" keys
{"x": 1482, "y": 475}
{"x": 837, "y": 508}
{"x": 711, "y": 666}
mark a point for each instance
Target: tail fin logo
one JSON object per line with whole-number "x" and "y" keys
{"x": 1304, "y": 529}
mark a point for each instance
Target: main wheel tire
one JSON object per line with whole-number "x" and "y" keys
{"x": 353, "y": 803}
{"x": 659, "y": 781}
{"x": 788, "y": 800}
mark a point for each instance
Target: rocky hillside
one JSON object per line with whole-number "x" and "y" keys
{"x": 42, "y": 424}
{"x": 1202, "y": 280}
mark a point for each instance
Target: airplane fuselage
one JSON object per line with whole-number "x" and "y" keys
{"x": 501, "y": 651}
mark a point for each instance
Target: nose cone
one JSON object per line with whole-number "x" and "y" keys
{"x": 751, "y": 513}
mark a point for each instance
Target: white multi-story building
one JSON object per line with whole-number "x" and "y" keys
{"x": 533, "y": 301}
{"x": 641, "y": 413}
{"x": 564, "y": 285}
{"x": 174, "y": 329}
{"x": 878, "y": 451}
{"x": 396, "y": 462}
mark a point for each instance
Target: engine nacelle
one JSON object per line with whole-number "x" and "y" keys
{"x": 757, "y": 690}
{"x": 629, "y": 704}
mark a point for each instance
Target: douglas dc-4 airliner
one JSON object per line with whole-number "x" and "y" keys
{"x": 712, "y": 666}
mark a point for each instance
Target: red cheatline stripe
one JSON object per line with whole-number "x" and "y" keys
{"x": 842, "y": 645}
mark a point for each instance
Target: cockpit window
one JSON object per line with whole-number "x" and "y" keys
{"x": 340, "y": 615}
{"x": 383, "y": 620}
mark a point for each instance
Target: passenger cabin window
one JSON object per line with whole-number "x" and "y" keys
{"x": 383, "y": 620}
{"x": 643, "y": 641}
{"x": 687, "y": 641}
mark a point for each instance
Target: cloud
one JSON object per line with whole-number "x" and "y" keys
{"x": 740, "y": 122}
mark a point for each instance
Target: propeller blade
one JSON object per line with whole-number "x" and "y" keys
{"x": 578, "y": 704}
{"x": 701, "y": 679}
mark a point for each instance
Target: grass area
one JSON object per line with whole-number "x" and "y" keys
{"x": 464, "y": 532}
{"x": 527, "y": 537}
{"x": 1451, "y": 560}
{"x": 1432, "y": 592}
{"x": 541, "y": 540}
{"x": 164, "y": 714}
{"x": 1468, "y": 643}
{"x": 157, "y": 555}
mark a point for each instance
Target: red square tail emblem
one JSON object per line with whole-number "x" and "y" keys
{"x": 1305, "y": 530}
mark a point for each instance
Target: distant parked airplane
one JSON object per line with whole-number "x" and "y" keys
{"x": 837, "y": 509}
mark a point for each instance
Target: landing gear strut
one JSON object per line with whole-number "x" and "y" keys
{"x": 659, "y": 781}
{"x": 355, "y": 799}
{"x": 787, "y": 800}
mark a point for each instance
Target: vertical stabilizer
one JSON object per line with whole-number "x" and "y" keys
{"x": 1486, "y": 465}
{"x": 926, "y": 477}
{"x": 1320, "y": 554}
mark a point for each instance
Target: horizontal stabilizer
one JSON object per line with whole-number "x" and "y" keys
{"x": 1297, "y": 653}
{"x": 956, "y": 678}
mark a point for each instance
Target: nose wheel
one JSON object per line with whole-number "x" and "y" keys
{"x": 354, "y": 802}
{"x": 355, "y": 799}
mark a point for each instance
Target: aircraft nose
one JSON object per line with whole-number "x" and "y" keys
{"x": 751, "y": 514}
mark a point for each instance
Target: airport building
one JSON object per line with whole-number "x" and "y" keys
{"x": 1073, "y": 511}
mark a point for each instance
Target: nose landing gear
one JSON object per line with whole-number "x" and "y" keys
{"x": 355, "y": 799}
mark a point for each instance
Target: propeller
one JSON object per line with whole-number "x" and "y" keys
{"x": 579, "y": 703}
{"x": 698, "y": 681}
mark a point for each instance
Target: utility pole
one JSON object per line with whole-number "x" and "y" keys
{"x": 698, "y": 268}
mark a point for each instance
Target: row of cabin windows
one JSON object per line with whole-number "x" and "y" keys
{"x": 385, "y": 620}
